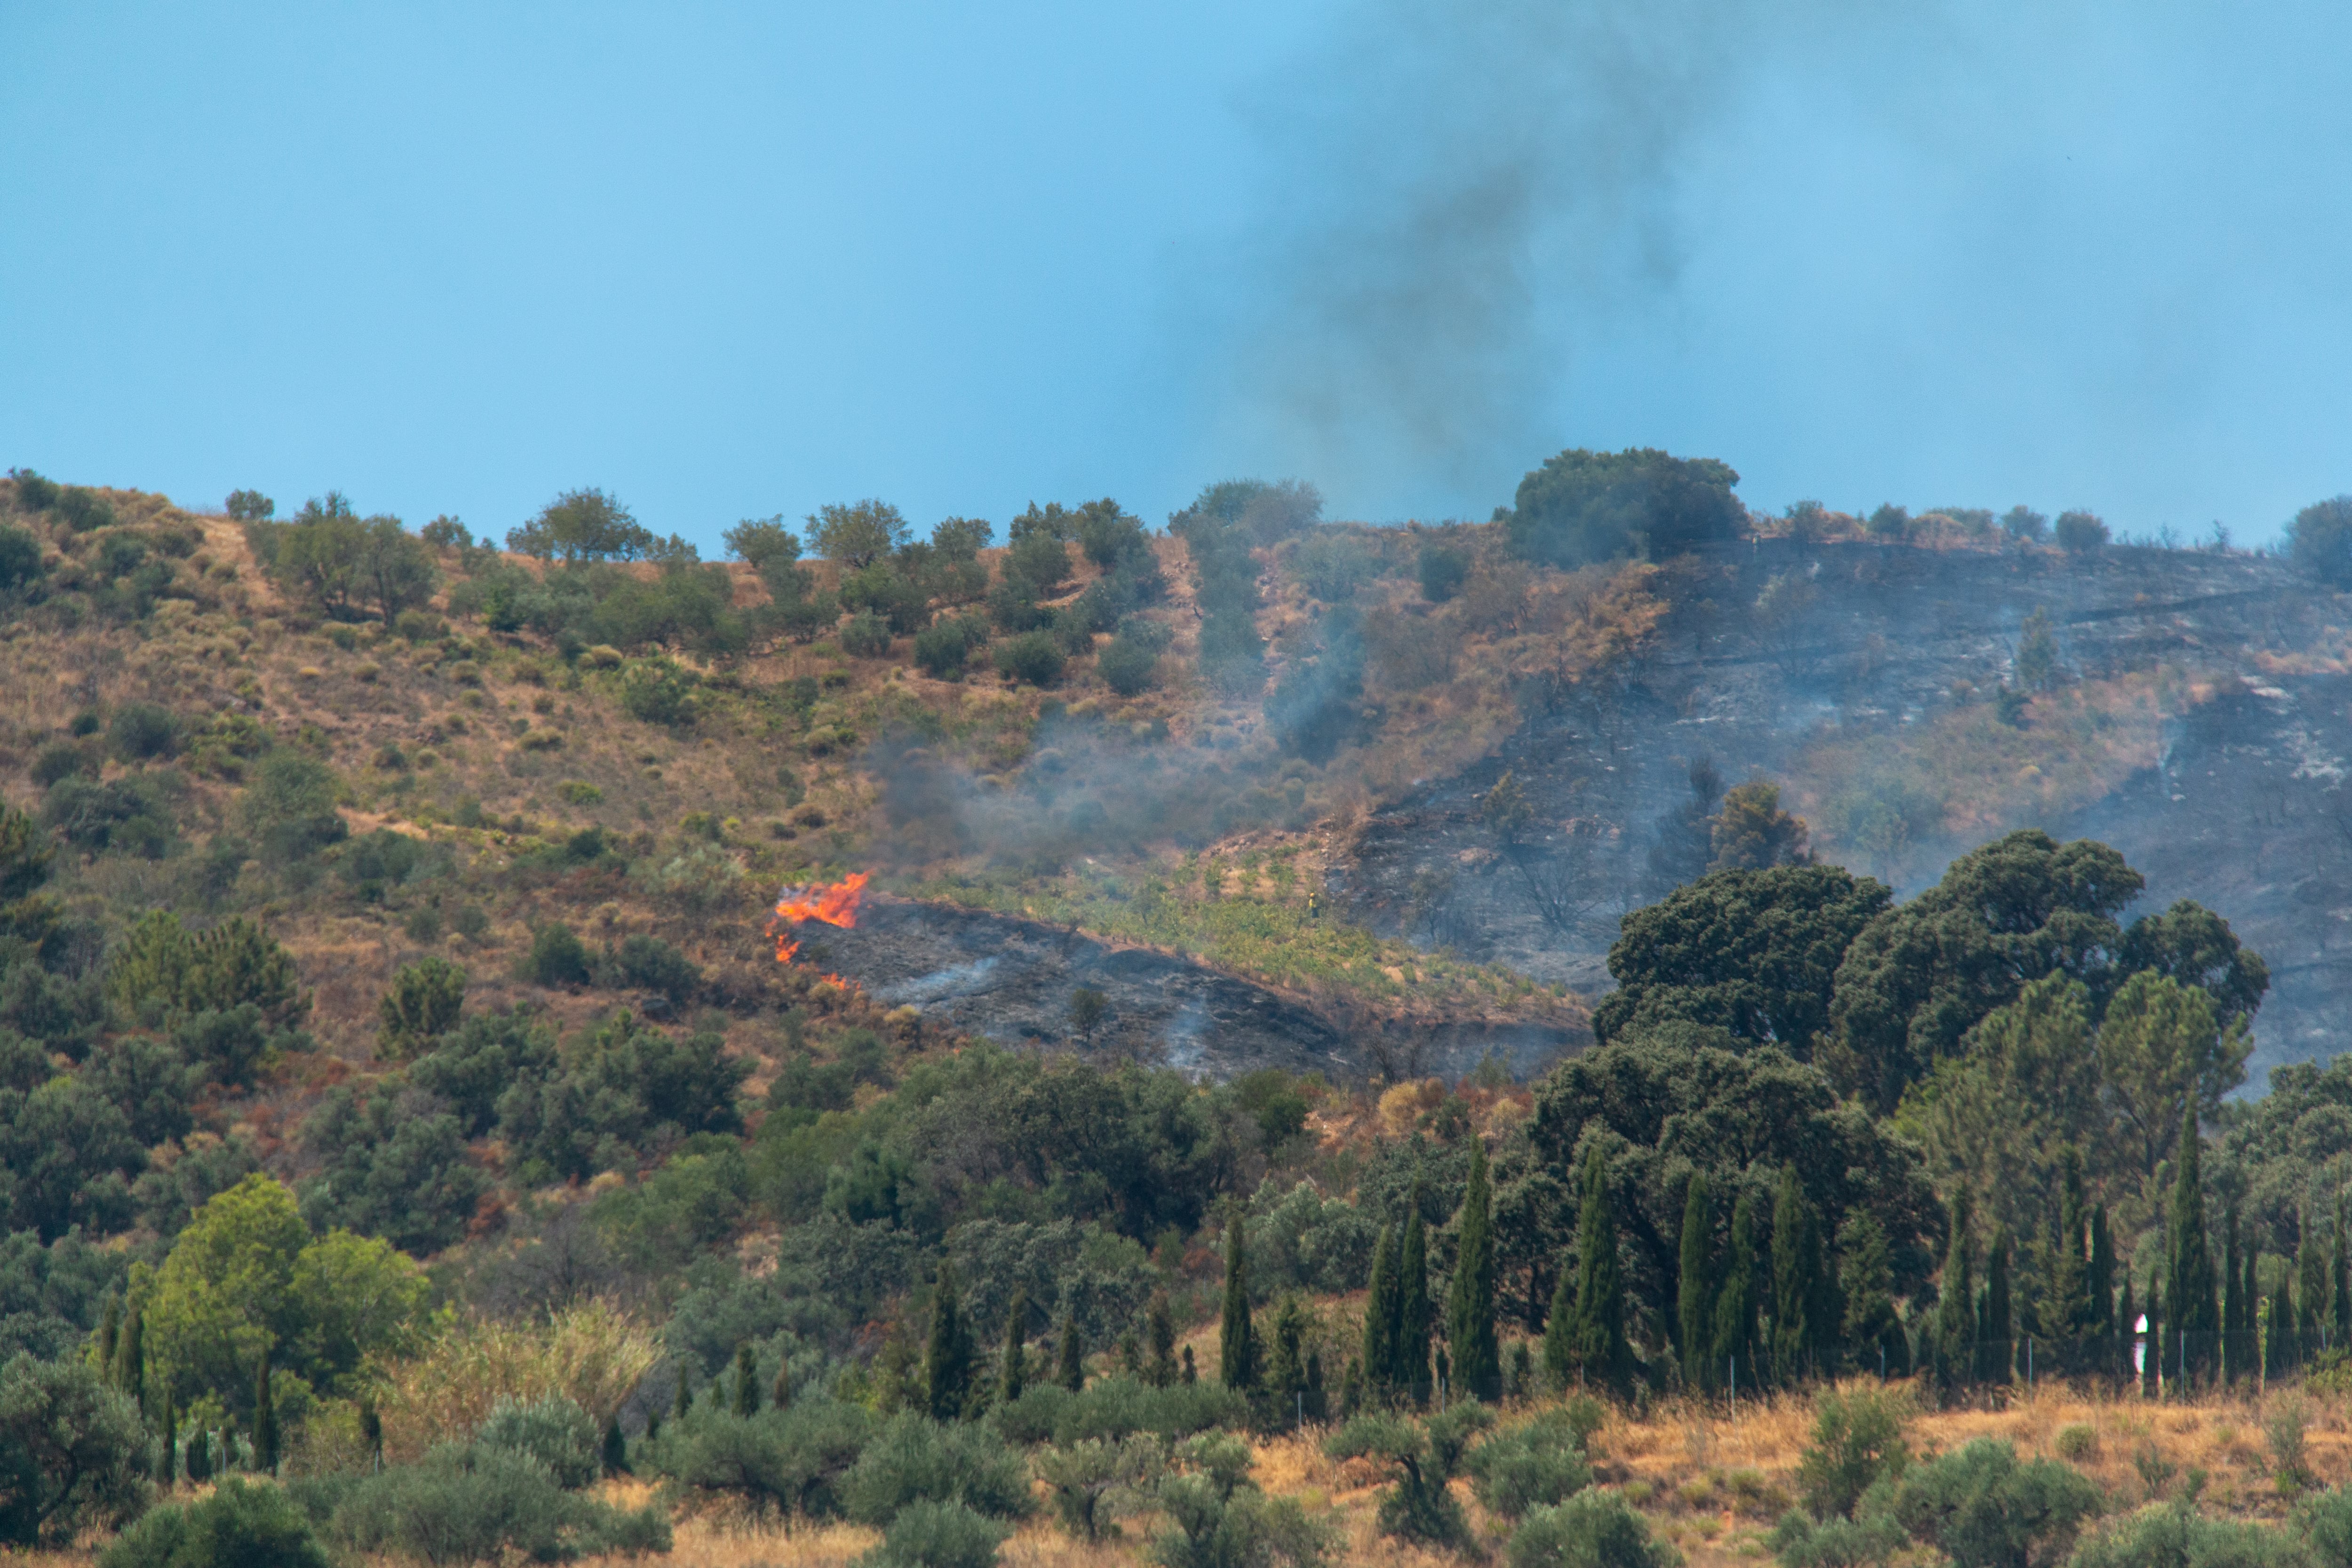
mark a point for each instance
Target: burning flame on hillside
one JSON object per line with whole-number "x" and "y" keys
{"x": 832, "y": 904}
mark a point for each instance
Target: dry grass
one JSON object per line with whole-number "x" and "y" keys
{"x": 594, "y": 1355}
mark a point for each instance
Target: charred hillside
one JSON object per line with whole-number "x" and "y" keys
{"x": 1907, "y": 701}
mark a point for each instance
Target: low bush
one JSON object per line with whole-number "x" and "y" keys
{"x": 866, "y": 635}
{"x": 1591, "y": 1530}
{"x": 938, "y": 1535}
{"x": 1442, "y": 569}
{"x": 1857, "y": 1442}
{"x": 140, "y": 730}
{"x": 1540, "y": 1465}
{"x": 1033, "y": 657}
{"x": 783, "y": 1464}
{"x": 554, "y": 1431}
{"x": 915, "y": 1459}
{"x": 2169, "y": 1536}
{"x": 478, "y": 1504}
{"x": 1128, "y": 665}
{"x": 1983, "y": 1508}
{"x": 238, "y": 1526}
{"x": 1874, "y": 1537}
{"x": 649, "y": 964}
{"x": 556, "y": 957}
{"x": 942, "y": 647}
{"x": 1114, "y": 1407}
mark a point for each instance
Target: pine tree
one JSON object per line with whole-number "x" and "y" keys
{"x": 1470, "y": 1301}
{"x": 1162, "y": 1324}
{"x": 747, "y": 1387}
{"x": 1237, "y": 1335}
{"x": 1796, "y": 1280}
{"x": 265, "y": 1421}
{"x": 1012, "y": 1372}
{"x": 1695, "y": 1287}
{"x": 1735, "y": 1306}
{"x": 1599, "y": 1342}
{"x": 947, "y": 1358}
{"x": 1955, "y": 1302}
{"x": 2193, "y": 1315}
{"x": 1998, "y": 1338}
{"x": 1383, "y": 1306}
{"x": 1414, "y": 1319}
{"x": 1070, "y": 1371}
{"x": 2235, "y": 1309}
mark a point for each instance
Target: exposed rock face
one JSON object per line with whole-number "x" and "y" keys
{"x": 1014, "y": 980}
{"x": 2242, "y": 806}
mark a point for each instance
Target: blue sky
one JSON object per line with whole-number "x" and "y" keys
{"x": 736, "y": 261}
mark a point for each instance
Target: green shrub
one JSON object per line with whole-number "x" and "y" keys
{"x": 649, "y": 964}
{"x": 2079, "y": 532}
{"x": 1422, "y": 1456}
{"x": 1540, "y": 1465}
{"x": 1857, "y": 1442}
{"x": 60, "y": 760}
{"x": 556, "y": 957}
{"x": 34, "y": 493}
{"x": 916, "y": 1459}
{"x": 238, "y": 1526}
{"x": 658, "y": 691}
{"x": 554, "y": 1431}
{"x": 477, "y": 1504}
{"x": 1128, "y": 665}
{"x": 941, "y": 648}
{"x": 423, "y": 1003}
{"x": 575, "y": 791}
{"x": 1032, "y": 1418}
{"x": 20, "y": 559}
{"x": 2172, "y": 1537}
{"x": 1442, "y": 569}
{"x": 2078, "y": 1442}
{"x": 1982, "y": 1508}
{"x": 2325, "y": 1519}
{"x": 1800, "y": 1541}
{"x": 143, "y": 729}
{"x": 1113, "y": 1407}
{"x": 2319, "y": 541}
{"x": 867, "y": 635}
{"x": 1332, "y": 565}
{"x": 1091, "y": 1480}
{"x": 1590, "y": 1529}
{"x": 938, "y": 1535}
{"x": 1220, "y": 1521}
{"x": 1033, "y": 657}
{"x": 783, "y": 1463}
{"x": 82, "y": 508}
{"x": 69, "y": 1444}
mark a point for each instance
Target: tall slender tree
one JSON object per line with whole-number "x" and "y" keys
{"x": 747, "y": 1381}
{"x": 1237, "y": 1335}
{"x": 1383, "y": 1308}
{"x": 2125, "y": 1339}
{"x": 2068, "y": 1311}
{"x": 1734, "y": 1304}
{"x": 1414, "y": 1319}
{"x": 2189, "y": 1304}
{"x": 1159, "y": 1326}
{"x": 1695, "y": 1288}
{"x": 2235, "y": 1309}
{"x": 1796, "y": 1280}
{"x": 1997, "y": 1339}
{"x": 947, "y": 1358}
{"x": 2103, "y": 1284}
{"x": 265, "y": 1421}
{"x": 1012, "y": 1370}
{"x": 167, "y": 1427}
{"x": 1285, "y": 1371}
{"x": 2339, "y": 1280}
{"x": 2250, "y": 1292}
{"x": 2151, "y": 1366}
{"x": 1601, "y": 1349}
{"x": 1560, "y": 1331}
{"x": 1470, "y": 1300}
{"x": 130, "y": 1356}
{"x": 1070, "y": 1369}
{"x": 1956, "y": 1322}
{"x": 2310, "y": 1288}
{"x": 2284, "y": 1349}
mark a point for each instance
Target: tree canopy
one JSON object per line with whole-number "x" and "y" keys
{"x": 1583, "y": 506}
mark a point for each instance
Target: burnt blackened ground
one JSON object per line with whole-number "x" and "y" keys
{"x": 1014, "y": 980}
{"x": 2245, "y": 811}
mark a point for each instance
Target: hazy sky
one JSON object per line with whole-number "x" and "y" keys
{"x": 735, "y": 260}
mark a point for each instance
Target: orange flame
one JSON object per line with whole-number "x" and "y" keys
{"x": 834, "y": 904}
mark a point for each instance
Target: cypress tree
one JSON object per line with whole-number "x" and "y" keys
{"x": 1600, "y": 1344}
{"x": 1191, "y": 1375}
{"x": 1382, "y": 1309}
{"x": 2189, "y": 1301}
{"x": 1999, "y": 1336}
{"x": 2151, "y": 1370}
{"x": 1161, "y": 1325}
{"x": 1414, "y": 1319}
{"x": 200, "y": 1456}
{"x": 1865, "y": 1281}
{"x": 131, "y": 1357}
{"x": 109, "y": 1333}
{"x": 2285, "y": 1351}
{"x": 779, "y": 1397}
{"x": 616, "y": 1447}
{"x": 947, "y": 1358}
{"x": 167, "y": 1421}
{"x": 1560, "y": 1331}
{"x": 1955, "y": 1302}
{"x": 1470, "y": 1301}
{"x": 685, "y": 1401}
{"x": 2235, "y": 1309}
{"x": 2250, "y": 1292}
{"x": 1695, "y": 1287}
{"x": 2103, "y": 1284}
{"x": 372, "y": 1431}
{"x": 2069, "y": 1310}
{"x": 1013, "y": 1376}
{"x": 1236, "y": 1336}
{"x": 1285, "y": 1371}
{"x": 2310, "y": 1288}
{"x": 2339, "y": 1282}
{"x": 1735, "y": 1306}
{"x": 1071, "y": 1370}
{"x": 747, "y": 1386}
{"x": 1796, "y": 1280}
{"x": 265, "y": 1421}
{"x": 2126, "y": 1336}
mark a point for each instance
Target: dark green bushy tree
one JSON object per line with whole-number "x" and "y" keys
{"x": 1583, "y": 506}
{"x": 1470, "y": 1335}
